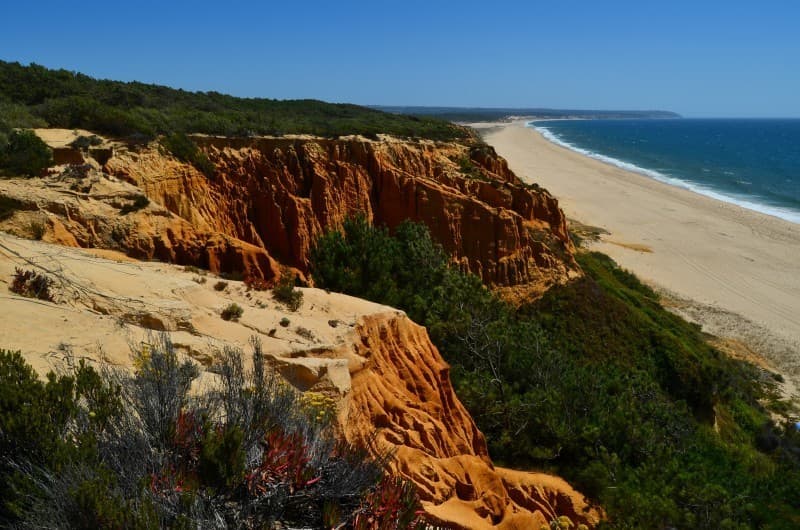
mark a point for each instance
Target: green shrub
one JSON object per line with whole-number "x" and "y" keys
{"x": 25, "y": 154}
{"x": 139, "y": 202}
{"x": 46, "y": 425}
{"x": 305, "y": 333}
{"x": 37, "y": 229}
{"x": 16, "y": 115}
{"x": 85, "y": 142}
{"x": 234, "y": 276}
{"x": 285, "y": 293}
{"x": 232, "y": 312}
{"x": 595, "y": 381}
{"x": 220, "y": 285}
{"x": 184, "y": 149}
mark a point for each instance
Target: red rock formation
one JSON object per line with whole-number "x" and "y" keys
{"x": 401, "y": 387}
{"x": 282, "y": 193}
{"x": 93, "y": 219}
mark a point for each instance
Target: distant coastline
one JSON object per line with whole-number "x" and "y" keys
{"x": 484, "y": 114}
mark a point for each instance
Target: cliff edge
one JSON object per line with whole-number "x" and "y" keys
{"x": 280, "y": 194}
{"x": 380, "y": 368}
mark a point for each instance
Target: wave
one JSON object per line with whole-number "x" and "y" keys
{"x": 787, "y": 214}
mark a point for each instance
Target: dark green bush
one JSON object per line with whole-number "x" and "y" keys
{"x": 24, "y": 154}
{"x": 37, "y": 229}
{"x": 595, "y": 381}
{"x": 232, "y": 311}
{"x": 285, "y": 293}
{"x": 183, "y": 148}
{"x": 46, "y": 425}
{"x": 139, "y": 202}
{"x": 85, "y": 142}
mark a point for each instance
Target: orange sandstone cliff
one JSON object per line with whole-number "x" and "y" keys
{"x": 403, "y": 390}
{"x": 280, "y": 194}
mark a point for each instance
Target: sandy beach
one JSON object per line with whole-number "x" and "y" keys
{"x": 735, "y": 271}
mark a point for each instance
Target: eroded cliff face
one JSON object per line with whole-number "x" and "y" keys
{"x": 280, "y": 194}
{"x": 391, "y": 386}
{"x": 265, "y": 206}
{"x": 402, "y": 401}
{"x": 87, "y": 208}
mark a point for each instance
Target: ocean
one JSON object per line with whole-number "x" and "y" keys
{"x": 754, "y": 163}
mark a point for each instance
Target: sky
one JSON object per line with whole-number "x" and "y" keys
{"x": 698, "y": 58}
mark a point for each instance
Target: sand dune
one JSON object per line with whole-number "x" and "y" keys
{"x": 727, "y": 260}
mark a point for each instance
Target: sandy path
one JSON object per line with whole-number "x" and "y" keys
{"x": 720, "y": 255}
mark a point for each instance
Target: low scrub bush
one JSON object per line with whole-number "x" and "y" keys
{"x": 85, "y": 142}
{"x": 286, "y": 293}
{"x": 234, "y": 276}
{"x": 304, "y": 332}
{"x": 111, "y": 449}
{"x": 37, "y": 229}
{"x": 32, "y": 284}
{"x": 232, "y": 312}
{"x": 256, "y": 284}
{"x": 139, "y": 202}
{"x": 23, "y": 153}
{"x": 183, "y": 148}
{"x": 194, "y": 269}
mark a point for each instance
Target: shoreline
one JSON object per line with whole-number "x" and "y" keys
{"x": 781, "y": 212}
{"x": 726, "y": 259}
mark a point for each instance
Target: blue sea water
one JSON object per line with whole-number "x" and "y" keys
{"x": 754, "y": 163}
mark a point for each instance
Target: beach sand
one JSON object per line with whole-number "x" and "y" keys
{"x": 733, "y": 270}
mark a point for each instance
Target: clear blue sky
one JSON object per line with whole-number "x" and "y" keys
{"x": 698, "y": 58}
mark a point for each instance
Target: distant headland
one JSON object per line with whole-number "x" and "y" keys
{"x": 471, "y": 114}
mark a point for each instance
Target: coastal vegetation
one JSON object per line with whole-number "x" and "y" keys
{"x": 183, "y": 148}
{"x": 285, "y": 293}
{"x": 23, "y": 153}
{"x": 33, "y": 96}
{"x": 91, "y": 448}
{"x": 595, "y": 381}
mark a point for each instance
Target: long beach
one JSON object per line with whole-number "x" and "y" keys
{"x": 736, "y": 271}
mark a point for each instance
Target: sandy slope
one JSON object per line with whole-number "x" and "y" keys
{"x": 733, "y": 264}
{"x": 107, "y": 305}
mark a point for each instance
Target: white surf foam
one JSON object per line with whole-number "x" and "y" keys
{"x": 787, "y": 214}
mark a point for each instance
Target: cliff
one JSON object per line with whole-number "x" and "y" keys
{"x": 402, "y": 402}
{"x": 267, "y": 202}
{"x": 80, "y": 205}
{"x": 381, "y": 368}
{"x": 280, "y": 194}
